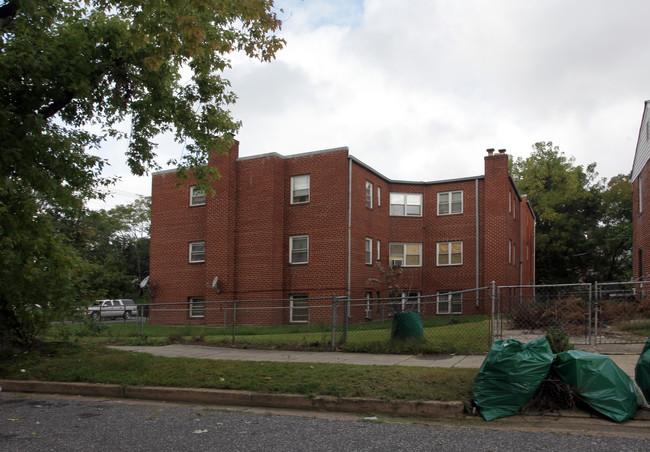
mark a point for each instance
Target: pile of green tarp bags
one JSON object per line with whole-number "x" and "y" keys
{"x": 513, "y": 371}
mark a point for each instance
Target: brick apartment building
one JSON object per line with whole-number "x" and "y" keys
{"x": 285, "y": 230}
{"x": 641, "y": 200}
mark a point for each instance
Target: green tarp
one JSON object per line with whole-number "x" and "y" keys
{"x": 407, "y": 325}
{"x": 642, "y": 371}
{"x": 510, "y": 375}
{"x": 600, "y": 383}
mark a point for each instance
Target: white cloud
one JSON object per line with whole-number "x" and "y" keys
{"x": 419, "y": 89}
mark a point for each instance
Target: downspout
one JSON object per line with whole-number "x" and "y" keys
{"x": 521, "y": 243}
{"x": 478, "y": 280}
{"x": 521, "y": 250}
{"x": 349, "y": 265}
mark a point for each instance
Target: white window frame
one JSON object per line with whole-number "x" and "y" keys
{"x": 292, "y": 248}
{"x": 403, "y": 256}
{"x": 449, "y": 253}
{"x": 368, "y": 310}
{"x": 194, "y": 253}
{"x": 401, "y": 203}
{"x": 378, "y": 249}
{"x": 450, "y": 299}
{"x": 378, "y": 196}
{"x": 449, "y": 204}
{"x": 195, "y": 311}
{"x": 408, "y": 297}
{"x": 298, "y": 184}
{"x": 293, "y": 308}
{"x": 369, "y": 190}
{"x": 368, "y": 251}
{"x": 197, "y": 196}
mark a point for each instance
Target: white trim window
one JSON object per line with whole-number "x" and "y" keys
{"x": 368, "y": 310}
{"x": 378, "y": 248}
{"x": 299, "y": 310}
{"x": 369, "y": 190}
{"x": 405, "y": 254}
{"x": 449, "y": 302}
{"x": 378, "y": 196}
{"x": 450, "y": 202}
{"x": 299, "y": 249}
{"x": 197, "y": 252}
{"x": 411, "y": 301}
{"x": 300, "y": 189}
{"x": 197, "y": 307}
{"x": 368, "y": 251}
{"x": 197, "y": 196}
{"x": 450, "y": 253}
{"x": 406, "y": 204}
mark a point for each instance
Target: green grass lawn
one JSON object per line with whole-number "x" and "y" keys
{"x": 63, "y": 361}
{"x": 466, "y": 335}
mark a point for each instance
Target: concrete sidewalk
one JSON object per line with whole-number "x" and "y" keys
{"x": 624, "y": 355}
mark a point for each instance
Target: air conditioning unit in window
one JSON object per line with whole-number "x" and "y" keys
{"x": 396, "y": 262}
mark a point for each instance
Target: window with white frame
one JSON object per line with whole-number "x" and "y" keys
{"x": 197, "y": 307}
{"x": 197, "y": 251}
{"x": 410, "y": 301}
{"x": 450, "y": 253}
{"x": 197, "y": 196}
{"x": 378, "y": 196}
{"x": 368, "y": 251}
{"x": 449, "y": 302}
{"x": 405, "y": 254}
{"x": 368, "y": 305}
{"x": 299, "y": 311}
{"x": 378, "y": 249}
{"x": 406, "y": 204}
{"x": 300, "y": 189}
{"x": 369, "y": 191}
{"x": 299, "y": 249}
{"x": 450, "y": 202}
{"x": 640, "y": 192}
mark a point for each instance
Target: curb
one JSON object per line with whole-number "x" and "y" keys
{"x": 425, "y": 409}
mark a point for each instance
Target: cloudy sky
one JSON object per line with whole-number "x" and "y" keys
{"x": 419, "y": 89}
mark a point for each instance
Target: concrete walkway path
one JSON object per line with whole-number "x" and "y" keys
{"x": 624, "y": 355}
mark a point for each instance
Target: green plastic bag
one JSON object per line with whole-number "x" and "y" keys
{"x": 600, "y": 382}
{"x": 407, "y": 325}
{"x": 642, "y": 370}
{"x": 510, "y": 375}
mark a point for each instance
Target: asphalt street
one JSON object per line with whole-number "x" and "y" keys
{"x": 55, "y": 423}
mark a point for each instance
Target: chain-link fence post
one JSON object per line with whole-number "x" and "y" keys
{"x": 333, "y": 344}
{"x": 234, "y": 320}
{"x": 346, "y": 316}
{"x": 493, "y": 325}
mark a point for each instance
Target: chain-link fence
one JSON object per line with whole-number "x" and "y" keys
{"x": 621, "y": 312}
{"x": 463, "y": 322}
{"x": 527, "y": 312}
{"x": 449, "y": 322}
{"x": 599, "y": 313}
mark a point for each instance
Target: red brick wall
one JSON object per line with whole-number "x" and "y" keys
{"x": 248, "y": 224}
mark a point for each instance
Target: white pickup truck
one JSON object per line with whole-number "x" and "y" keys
{"x": 113, "y": 309}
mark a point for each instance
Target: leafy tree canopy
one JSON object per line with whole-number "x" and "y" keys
{"x": 67, "y": 64}
{"x": 71, "y": 66}
{"x": 583, "y": 224}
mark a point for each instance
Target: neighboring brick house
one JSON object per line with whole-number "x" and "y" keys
{"x": 641, "y": 200}
{"x": 315, "y": 225}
